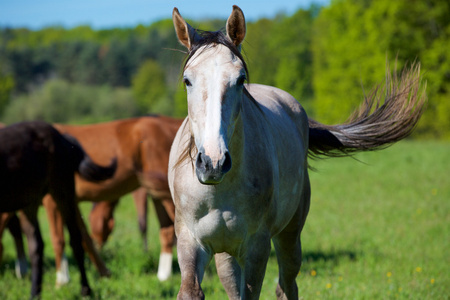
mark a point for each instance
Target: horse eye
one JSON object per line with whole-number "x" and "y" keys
{"x": 187, "y": 82}
{"x": 241, "y": 80}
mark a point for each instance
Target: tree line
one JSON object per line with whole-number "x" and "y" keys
{"x": 326, "y": 57}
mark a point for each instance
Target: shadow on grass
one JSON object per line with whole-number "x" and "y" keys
{"x": 8, "y": 265}
{"x": 333, "y": 257}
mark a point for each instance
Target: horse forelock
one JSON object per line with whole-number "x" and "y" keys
{"x": 208, "y": 39}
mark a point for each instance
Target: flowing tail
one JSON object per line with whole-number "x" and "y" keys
{"x": 377, "y": 124}
{"x": 84, "y": 165}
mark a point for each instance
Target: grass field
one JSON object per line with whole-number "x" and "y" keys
{"x": 377, "y": 229}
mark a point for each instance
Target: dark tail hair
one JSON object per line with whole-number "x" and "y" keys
{"x": 377, "y": 124}
{"x": 84, "y": 165}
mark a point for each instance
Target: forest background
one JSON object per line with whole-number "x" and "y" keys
{"x": 326, "y": 57}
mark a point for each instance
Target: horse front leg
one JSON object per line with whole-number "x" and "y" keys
{"x": 193, "y": 260}
{"x": 56, "y": 226}
{"x": 30, "y": 226}
{"x": 141, "y": 204}
{"x": 254, "y": 265}
{"x": 101, "y": 219}
{"x": 229, "y": 273}
{"x": 88, "y": 245}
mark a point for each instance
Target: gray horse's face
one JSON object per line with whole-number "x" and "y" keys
{"x": 214, "y": 77}
{"x": 214, "y": 80}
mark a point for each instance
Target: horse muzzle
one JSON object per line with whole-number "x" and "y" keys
{"x": 209, "y": 174}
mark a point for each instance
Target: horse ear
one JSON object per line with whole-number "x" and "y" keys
{"x": 236, "y": 26}
{"x": 186, "y": 33}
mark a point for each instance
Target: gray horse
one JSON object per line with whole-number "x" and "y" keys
{"x": 238, "y": 168}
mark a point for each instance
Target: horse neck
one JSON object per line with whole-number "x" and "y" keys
{"x": 238, "y": 140}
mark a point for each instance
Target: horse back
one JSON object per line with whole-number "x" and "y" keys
{"x": 31, "y": 154}
{"x": 139, "y": 144}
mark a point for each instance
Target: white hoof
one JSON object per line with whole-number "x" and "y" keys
{"x": 62, "y": 275}
{"x": 21, "y": 268}
{"x": 164, "y": 266}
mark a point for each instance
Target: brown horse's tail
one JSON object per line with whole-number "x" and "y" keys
{"x": 84, "y": 165}
{"x": 389, "y": 114}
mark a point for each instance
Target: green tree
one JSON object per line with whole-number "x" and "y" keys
{"x": 64, "y": 102}
{"x": 6, "y": 87}
{"x": 292, "y": 37}
{"x": 180, "y": 98}
{"x": 436, "y": 63}
{"x": 261, "y": 58}
{"x": 353, "y": 39}
{"x": 149, "y": 86}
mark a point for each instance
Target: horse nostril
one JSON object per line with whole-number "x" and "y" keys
{"x": 226, "y": 166}
{"x": 199, "y": 163}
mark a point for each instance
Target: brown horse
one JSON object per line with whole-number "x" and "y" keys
{"x": 36, "y": 159}
{"x": 142, "y": 147}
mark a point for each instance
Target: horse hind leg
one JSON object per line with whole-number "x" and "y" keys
{"x": 30, "y": 227}
{"x": 166, "y": 237}
{"x": 56, "y": 225}
{"x": 65, "y": 199}
{"x": 16, "y": 232}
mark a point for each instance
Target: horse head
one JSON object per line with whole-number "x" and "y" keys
{"x": 214, "y": 76}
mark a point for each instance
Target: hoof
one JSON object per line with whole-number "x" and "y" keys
{"x": 86, "y": 291}
{"x": 164, "y": 266}
{"x": 105, "y": 273}
{"x": 21, "y": 268}
{"x": 62, "y": 275}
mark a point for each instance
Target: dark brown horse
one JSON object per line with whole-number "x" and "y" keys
{"x": 35, "y": 159}
{"x": 142, "y": 147}
{"x": 9, "y": 220}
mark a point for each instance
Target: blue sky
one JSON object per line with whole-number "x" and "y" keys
{"x": 100, "y": 14}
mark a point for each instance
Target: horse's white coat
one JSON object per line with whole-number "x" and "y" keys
{"x": 265, "y": 192}
{"x": 249, "y": 183}
{"x": 209, "y": 80}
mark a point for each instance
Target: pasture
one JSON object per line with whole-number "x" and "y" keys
{"x": 377, "y": 229}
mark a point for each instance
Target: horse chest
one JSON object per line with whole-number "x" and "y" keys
{"x": 221, "y": 230}
{"x": 222, "y": 218}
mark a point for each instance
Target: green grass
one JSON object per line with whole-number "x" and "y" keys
{"x": 376, "y": 230}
